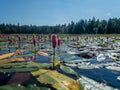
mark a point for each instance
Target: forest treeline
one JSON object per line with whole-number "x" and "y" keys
{"x": 91, "y": 26}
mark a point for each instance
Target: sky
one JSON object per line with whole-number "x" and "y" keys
{"x": 52, "y": 12}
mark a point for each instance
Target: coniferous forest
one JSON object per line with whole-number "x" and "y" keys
{"x": 91, "y": 26}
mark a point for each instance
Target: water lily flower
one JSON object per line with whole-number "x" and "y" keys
{"x": 34, "y": 41}
{"x": 19, "y": 38}
{"x": 54, "y": 44}
{"x": 9, "y": 39}
{"x": 54, "y": 40}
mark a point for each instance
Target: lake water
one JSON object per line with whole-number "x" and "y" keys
{"x": 100, "y": 75}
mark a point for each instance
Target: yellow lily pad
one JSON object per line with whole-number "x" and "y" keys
{"x": 56, "y": 80}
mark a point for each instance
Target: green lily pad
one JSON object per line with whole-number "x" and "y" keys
{"x": 18, "y": 70}
{"x": 23, "y": 67}
{"x": 19, "y": 87}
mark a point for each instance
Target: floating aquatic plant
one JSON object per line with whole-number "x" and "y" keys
{"x": 20, "y": 87}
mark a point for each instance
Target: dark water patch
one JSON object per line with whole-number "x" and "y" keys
{"x": 101, "y": 75}
{"x": 4, "y": 78}
{"x": 26, "y": 52}
{"x": 4, "y": 50}
{"x": 40, "y": 58}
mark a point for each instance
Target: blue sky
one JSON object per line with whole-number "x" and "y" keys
{"x": 52, "y": 12}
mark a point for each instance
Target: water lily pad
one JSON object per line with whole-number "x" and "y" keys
{"x": 19, "y": 87}
{"x": 56, "y": 80}
{"x": 18, "y": 70}
{"x": 23, "y": 66}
